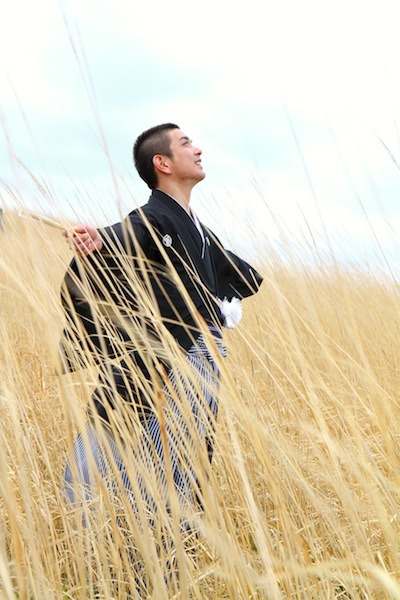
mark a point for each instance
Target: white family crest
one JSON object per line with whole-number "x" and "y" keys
{"x": 167, "y": 240}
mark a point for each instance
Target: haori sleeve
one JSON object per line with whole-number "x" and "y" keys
{"x": 81, "y": 339}
{"x": 96, "y": 289}
{"x": 235, "y": 277}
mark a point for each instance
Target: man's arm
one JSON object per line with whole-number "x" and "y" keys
{"x": 234, "y": 275}
{"x": 126, "y": 236}
{"x": 99, "y": 288}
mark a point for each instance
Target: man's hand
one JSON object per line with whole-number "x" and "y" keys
{"x": 83, "y": 239}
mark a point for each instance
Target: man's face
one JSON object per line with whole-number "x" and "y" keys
{"x": 185, "y": 164}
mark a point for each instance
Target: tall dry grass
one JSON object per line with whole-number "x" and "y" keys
{"x": 302, "y": 498}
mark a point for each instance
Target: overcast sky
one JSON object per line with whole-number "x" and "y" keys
{"x": 295, "y": 105}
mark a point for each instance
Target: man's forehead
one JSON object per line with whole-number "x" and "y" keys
{"x": 178, "y": 134}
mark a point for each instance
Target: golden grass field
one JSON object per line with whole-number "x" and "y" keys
{"x": 303, "y": 497}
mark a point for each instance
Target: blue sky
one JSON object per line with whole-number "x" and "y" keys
{"x": 289, "y": 101}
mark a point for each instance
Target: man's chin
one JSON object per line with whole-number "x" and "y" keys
{"x": 200, "y": 177}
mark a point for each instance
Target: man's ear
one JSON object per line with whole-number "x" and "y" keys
{"x": 161, "y": 163}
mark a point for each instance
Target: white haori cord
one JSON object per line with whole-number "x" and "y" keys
{"x": 231, "y": 310}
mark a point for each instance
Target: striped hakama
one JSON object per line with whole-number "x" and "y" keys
{"x": 167, "y": 445}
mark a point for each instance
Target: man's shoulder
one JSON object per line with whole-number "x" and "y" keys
{"x": 157, "y": 210}
{"x": 150, "y": 211}
{"x": 140, "y": 215}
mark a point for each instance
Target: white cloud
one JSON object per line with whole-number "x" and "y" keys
{"x": 225, "y": 71}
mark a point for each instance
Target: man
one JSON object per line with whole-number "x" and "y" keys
{"x": 142, "y": 293}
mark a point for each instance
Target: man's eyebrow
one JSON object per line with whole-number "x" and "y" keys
{"x": 186, "y": 138}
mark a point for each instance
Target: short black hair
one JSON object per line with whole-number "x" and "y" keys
{"x": 149, "y": 143}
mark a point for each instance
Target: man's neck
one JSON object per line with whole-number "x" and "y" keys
{"x": 180, "y": 194}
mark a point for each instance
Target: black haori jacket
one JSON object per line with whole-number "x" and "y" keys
{"x": 157, "y": 270}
